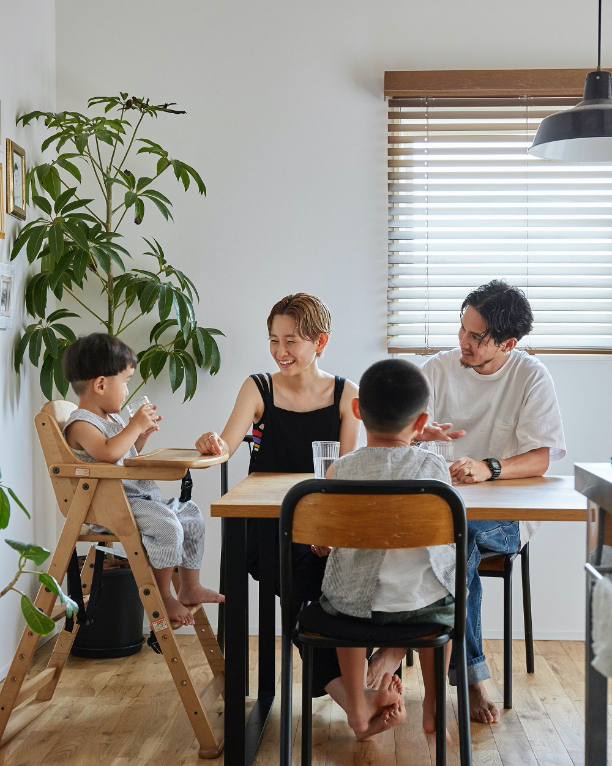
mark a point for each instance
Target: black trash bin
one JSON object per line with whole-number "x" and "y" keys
{"x": 116, "y": 627}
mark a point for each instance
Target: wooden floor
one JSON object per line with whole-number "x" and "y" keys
{"x": 125, "y": 712}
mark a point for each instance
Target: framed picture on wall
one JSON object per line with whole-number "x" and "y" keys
{"x": 1, "y": 204}
{"x": 7, "y": 276}
{"x": 15, "y": 180}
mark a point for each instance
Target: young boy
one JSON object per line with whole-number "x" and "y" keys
{"x": 99, "y": 367}
{"x": 407, "y": 585}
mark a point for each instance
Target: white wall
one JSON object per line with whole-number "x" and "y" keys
{"x": 27, "y": 61}
{"x": 287, "y": 123}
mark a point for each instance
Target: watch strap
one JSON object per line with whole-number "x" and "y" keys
{"x": 494, "y": 466}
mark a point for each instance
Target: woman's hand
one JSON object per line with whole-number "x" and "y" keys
{"x": 210, "y": 443}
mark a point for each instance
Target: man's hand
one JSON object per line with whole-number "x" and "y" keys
{"x": 469, "y": 471}
{"x": 320, "y": 550}
{"x": 439, "y": 432}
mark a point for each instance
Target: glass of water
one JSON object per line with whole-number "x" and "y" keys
{"x": 444, "y": 449}
{"x": 133, "y": 406}
{"x": 323, "y": 455}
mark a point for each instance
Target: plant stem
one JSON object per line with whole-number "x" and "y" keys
{"x": 123, "y": 317}
{"x": 129, "y": 323}
{"x": 4, "y": 591}
{"x": 127, "y": 151}
{"x": 93, "y": 167}
{"x": 108, "y": 225}
{"x": 99, "y": 318}
{"x": 110, "y": 164}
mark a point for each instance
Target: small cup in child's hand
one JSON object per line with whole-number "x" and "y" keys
{"x": 133, "y": 406}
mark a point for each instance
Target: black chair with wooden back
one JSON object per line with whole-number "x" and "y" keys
{"x": 371, "y": 515}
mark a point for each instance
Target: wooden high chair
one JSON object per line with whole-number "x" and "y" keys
{"x": 92, "y": 493}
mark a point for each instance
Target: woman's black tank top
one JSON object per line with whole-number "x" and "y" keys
{"x": 282, "y": 439}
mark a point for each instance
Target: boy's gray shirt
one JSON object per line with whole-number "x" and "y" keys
{"x": 351, "y": 574}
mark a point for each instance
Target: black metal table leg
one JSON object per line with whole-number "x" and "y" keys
{"x": 268, "y": 532}
{"x": 235, "y": 676}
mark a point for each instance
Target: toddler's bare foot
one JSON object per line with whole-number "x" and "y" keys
{"x": 376, "y": 701}
{"x": 482, "y": 709}
{"x": 391, "y": 716}
{"x": 429, "y": 719}
{"x": 177, "y": 612}
{"x": 385, "y": 660}
{"x": 197, "y": 594}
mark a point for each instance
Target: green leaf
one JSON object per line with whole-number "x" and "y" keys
{"x": 43, "y": 203}
{"x": 70, "y": 167}
{"x": 61, "y": 314}
{"x": 148, "y": 297}
{"x": 177, "y": 370}
{"x": 5, "y": 509}
{"x": 63, "y": 199}
{"x": 56, "y": 241}
{"x": 37, "y": 236}
{"x": 46, "y": 377}
{"x": 29, "y": 551}
{"x": 165, "y": 301}
{"x": 215, "y": 358}
{"x": 20, "y": 349}
{"x": 76, "y": 232}
{"x": 37, "y": 621}
{"x": 61, "y": 383}
{"x": 40, "y": 295}
{"x": 48, "y": 141}
{"x": 21, "y": 240}
{"x": 19, "y": 503}
{"x": 160, "y": 328}
{"x": 51, "y": 583}
{"x": 130, "y": 198}
{"x": 35, "y": 346}
{"x": 50, "y": 342}
{"x": 191, "y": 377}
{"x": 142, "y": 182}
{"x": 75, "y": 204}
{"x": 65, "y": 331}
{"x": 162, "y": 208}
{"x": 140, "y": 211}
{"x": 158, "y": 362}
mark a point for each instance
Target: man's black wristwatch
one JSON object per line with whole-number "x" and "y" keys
{"x": 494, "y": 467}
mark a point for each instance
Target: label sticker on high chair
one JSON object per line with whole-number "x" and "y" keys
{"x": 81, "y": 471}
{"x": 158, "y": 625}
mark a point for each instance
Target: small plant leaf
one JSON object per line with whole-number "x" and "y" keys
{"x": 29, "y": 551}
{"x": 5, "y": 509}
{"x": 38, "y": 621}
{"x": 19, "y": 503}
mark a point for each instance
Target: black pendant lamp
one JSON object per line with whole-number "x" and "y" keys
{"x": 583, "y": 133}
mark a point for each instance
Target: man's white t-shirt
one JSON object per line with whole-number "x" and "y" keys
{"x": 507, "y": 413}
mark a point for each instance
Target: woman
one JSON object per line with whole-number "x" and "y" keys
{"x": 288, "y": 410}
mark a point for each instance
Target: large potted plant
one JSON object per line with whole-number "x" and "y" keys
{"x": 82, "y": 259}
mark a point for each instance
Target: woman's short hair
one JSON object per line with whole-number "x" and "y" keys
{"x": 311, "y": 315}
{"x": 95, "y": 355}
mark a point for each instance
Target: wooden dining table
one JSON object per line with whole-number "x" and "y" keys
{"x": 259, "y": 496}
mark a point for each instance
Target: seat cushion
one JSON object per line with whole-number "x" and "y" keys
{"x": 314, "y": 619}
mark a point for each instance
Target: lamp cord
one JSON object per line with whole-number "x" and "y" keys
{"x": 599, "y": 40}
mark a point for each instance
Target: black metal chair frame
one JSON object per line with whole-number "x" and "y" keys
{"x": 506, "y": 574}
{"x": 437, "y": 642}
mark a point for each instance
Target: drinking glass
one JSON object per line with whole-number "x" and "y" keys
{"x": 133, "y": 406}
{"x": 323, "y": 455}
{"x": 444, "y": 449}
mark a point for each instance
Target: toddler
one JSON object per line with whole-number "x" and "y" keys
{"x": 99, "y": 367}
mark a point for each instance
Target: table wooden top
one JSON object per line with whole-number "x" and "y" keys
{"x": 178, "y": 458}
{"x": 546, "y": 498}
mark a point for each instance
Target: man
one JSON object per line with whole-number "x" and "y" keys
{"x": 503, "y": 404}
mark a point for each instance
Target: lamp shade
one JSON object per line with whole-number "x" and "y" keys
{"x": 583, "y": 133}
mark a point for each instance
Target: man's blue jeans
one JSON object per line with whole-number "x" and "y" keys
{"x": 483, "y": 536}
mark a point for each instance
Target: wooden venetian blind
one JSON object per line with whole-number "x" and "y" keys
{"x": 467, "y": 204}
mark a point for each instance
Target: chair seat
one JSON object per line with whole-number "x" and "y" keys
{"x": 314, "y": 619}
{"x": 492, "y": 561}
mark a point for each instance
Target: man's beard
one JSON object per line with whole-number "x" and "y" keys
{"x": 467, "y": 366}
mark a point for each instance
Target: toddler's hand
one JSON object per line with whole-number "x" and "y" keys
{"x": 210, "y": 444}
{"x": 321, "y": 550}
{"x": 146, "y": 418}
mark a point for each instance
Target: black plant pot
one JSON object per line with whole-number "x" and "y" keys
{"x": 116, "y": 627}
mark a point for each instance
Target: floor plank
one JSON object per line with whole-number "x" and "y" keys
{"x": 126, "y": 712}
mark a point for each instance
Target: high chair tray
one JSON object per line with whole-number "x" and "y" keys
{"x": 180, "y": 458}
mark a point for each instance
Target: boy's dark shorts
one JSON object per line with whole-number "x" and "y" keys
{"x": 441, "y": 612}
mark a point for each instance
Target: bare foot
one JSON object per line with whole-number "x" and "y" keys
{"x": 429, "y": 719}
{"x": 197, "y": 594}
{"x": 394, "y": 715}
{"x": 177, "y": 612}
{"x": 482, "y": 709}
{"x": 385, "y": 660}
{"x": 376, "y": 701}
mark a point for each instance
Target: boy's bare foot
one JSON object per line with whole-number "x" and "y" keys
{"x": 177, "y": 612}
{"x": 385, "y": 660}
{"x": 429, "y": 719}
{"x": 482, "y": 709}
{"x": 197, "y": 594}
{"x": 376, "y": 701}
{"x": 394, "y": 715}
